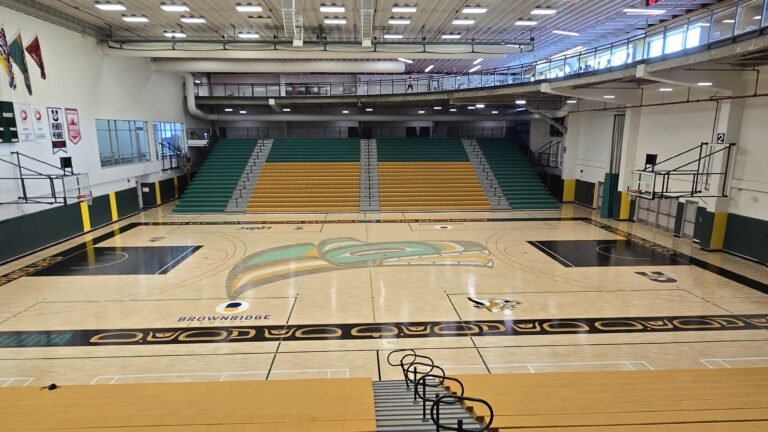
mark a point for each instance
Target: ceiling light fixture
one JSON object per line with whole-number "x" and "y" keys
{"x": 477, "y": 61}
{"x": 248, "y": 35}
{"x": 335, "y": 21}
{"x": 437, "y": 108}
{"x": 421, "y": 111}
{"x": 757, "y": 17}
{"x": 568, "y": 52}
{"x": 525, "y": 23}
{"x": 452, "y": 109}
{"x": 521, "y": 102}
{"x": 345, "y": 112}
{"x": 404, "y": 9}
{"x": 475, "y": 68}
{"x": 704, "y": 84}
{"x": 450, "y": 36}
{"x": 471, "y": 107}
{"x": 729, "y": 21}
{"x": 519, "y": 109}
{"x": 393, "y": 36}
{"x": 474, "y": 10}
{"x": 565, "y": 33}
{"x": 609, "y": 97}
{"x": 110, "y": 6}
{"x": 172, "y": 7}
{"x": 286, "y": 110}
{"x": 463, "y": 21}
{"x": 405, "y": 60}
{"x": 369, "y": 109}
{"x": 494, "y": 112}
{"x": 429, "y": 68}
{"x": 479, "y": 105}
{"x": 571, "y": 101}
{"x": 631, "y": 11}
{"x": 228, "y": 109}
{"x": 192, "y": 20}
{"x": 332, "y": 8}
{"x": 399, "y": 21}
{"x": 174, "y": 34}
{"x": 248, "y": 8}
{"x": 243, "y": 112}
{"x": 543, "y": 11}
{"x": 135, "y": 18}
{"x": 665, "y": 89}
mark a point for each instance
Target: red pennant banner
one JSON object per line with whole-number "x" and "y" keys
{"x": 73, "y": 124}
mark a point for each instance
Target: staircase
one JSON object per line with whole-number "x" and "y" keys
{"x": 212, "y": 186}
{"x": 485, "y": 175}
{"x": 369, "y": 176}
{"x": 513, "y": 172}
{"x": 239, "y": 199}
{"x": 396, "y": 409}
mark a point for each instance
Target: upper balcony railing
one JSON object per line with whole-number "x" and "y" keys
{"x": 698, "y": 32}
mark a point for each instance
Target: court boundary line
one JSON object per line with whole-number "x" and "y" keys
{"x": 222, "y": 375}
{"x": 531, "y": 366}
{"x": 723, "y": 361}
{"x": 12, "y": 379}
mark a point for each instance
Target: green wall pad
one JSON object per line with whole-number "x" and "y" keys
{"x": 32, "y": 231}
{"x": 747, "y": 236}
{"x": 585, "y": 193}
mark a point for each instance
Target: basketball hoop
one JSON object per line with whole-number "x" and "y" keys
{"x": 86, "y": 197}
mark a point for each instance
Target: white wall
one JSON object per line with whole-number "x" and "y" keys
{"x": 588, "y": 145}
{"x": 100, "y": 87}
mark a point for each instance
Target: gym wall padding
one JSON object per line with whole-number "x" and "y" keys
{"x": 585, "y": 193}
{"x": 27, "y": 233}
{"x": 167, "y": 188}
{"x": 747, "y": 236}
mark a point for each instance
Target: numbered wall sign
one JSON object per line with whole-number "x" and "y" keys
{"x": 720, "y": 138}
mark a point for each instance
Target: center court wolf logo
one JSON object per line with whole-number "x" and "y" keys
{"x": 286, "y": 262}
{"x": 494, "y": 305}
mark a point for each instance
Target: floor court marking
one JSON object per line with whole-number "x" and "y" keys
{"x": 548, "y": 250}
{"x": 113, "y": 379}
{"x": 10, "y": 380}
{"x": 724, "y": 361}
{"x": 183, "y": 255}
{"x": 631, "y": 364}
{"x": 125, "y": 257}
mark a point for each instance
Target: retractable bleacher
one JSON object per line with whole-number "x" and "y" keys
{"x": 214, "y": 182}
{"x": 309, "y": 175}
{"x": 522, "y": 188}
{"x": 427, "y": 174}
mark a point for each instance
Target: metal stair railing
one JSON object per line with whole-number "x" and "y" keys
{"x": 434, "y": 413}
{"x": 485, "y": 168}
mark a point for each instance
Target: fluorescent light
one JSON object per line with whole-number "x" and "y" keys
{"x": 566, "y": 33}
{"x": 228, "y": 109}
{"x": 197, "y": 81}
{"x": 704, "y": 84}
{"x": 513, "y": 45}
{"x": 437, "y": 108}
{"x": 519, "y": 109}
{"x": 609, "y": 97}
{"x": 393, "y": 36}
{"x": 665, "y": 89}
{"x": 729, "y": 21}
{"x": 571, "y": 101}
{"x": 479, "y": 105}
{"x": 631, "y": 11}
{"x": 404, "y": 9}
{"x": 332, "y": 8}
{"x": 429, "y": 68}
{"x": 521, "y": 102}
{"x": 463, "y": 21}
{"x": 404, "y": 60}
{"x": 757, "y": 17}
{"x": 134, "y": 18}
{"x": 110, "y": 6}
{"x": 471, "y": 107}
{"x": 248, "y": 35}
{"x": 335, "y": 21}
{"x": 401, "y": 21}
{"x": 243, "y": 112}
{"x": 525, "y": 23}
{"x": 421, "y": 111}
{"x": 452, "y": 110}
{"x": 192, "y": 20}
{"x": 369, "y": 109}
{"x": 474, "y": 10}
{"x": 475, "y": 68}
{"x": 174, "y": 7}
{"x": 248, "y": 8}
{"x": 450, "y": 36}
{"x": 477, "y": 61}
{"x": 286, "y": 110}
{"x": 172, "y": 34}
{"x": 543, "y": 11}
{"x": 345, "y": 112}
{"x": 494, "y": 112}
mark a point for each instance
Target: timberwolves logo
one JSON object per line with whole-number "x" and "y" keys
{"x": 493, "y": 304}
{"x": 232, "y": 307}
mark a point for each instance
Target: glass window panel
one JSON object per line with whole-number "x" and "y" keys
{"x": 750, "y": 15}
{"x": 722, "y": 25}
{"x": 655, "y": 45}
{"x": 675, "y": 39}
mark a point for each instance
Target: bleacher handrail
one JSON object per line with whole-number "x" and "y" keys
{"x": 434, "y": 413}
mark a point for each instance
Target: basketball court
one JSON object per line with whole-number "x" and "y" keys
{"x": 162, "y": 297}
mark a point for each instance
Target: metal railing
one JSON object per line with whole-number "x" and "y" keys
{"x": 51, "y": 181}
{"x": 711, "y": 28}
{"x": 548, "y": 156}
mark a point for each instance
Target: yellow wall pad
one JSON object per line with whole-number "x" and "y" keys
{"x": 594, "y": 195}
{"x": 569, "y": 190}
{"x": 718, "y": 231}
{"x": 175, "y": 187}
{"x": 113, "y": 205}
{"x": 158, "y": 197}
{"x": 279, "y": 405}
{"x": 626, "y": 204}
{"x": 85, "y": 215}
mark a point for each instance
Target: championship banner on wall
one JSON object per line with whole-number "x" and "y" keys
{"x": 9, "y": 132}
{"x": 40, "y": 124}
{"x": 73, "y": 125}
{"x": 56, "y": 124}
{"x": 24, "y": 123}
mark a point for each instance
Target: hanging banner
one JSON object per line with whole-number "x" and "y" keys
{"x": 73, "y": 124}
{"x": 24, "y": 123}
{"x": 9, "y": 133}
{"x": 56, "y": 124}
{"x": 40, "y": 124}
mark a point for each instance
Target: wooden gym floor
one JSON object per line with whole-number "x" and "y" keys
{"x": 178, "y": 298}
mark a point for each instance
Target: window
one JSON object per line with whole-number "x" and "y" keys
{"x": 122, "y": 142}
{"x": 169, "y": 137}
{"x": 750, "y": 15}
{"x": 675, "y": 38}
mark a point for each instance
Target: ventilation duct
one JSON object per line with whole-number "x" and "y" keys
{"x": 294, "y": 24}
{"x": 366, "y": 19}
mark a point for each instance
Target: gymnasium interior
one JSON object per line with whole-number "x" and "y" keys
{"x": 384, "y": 215}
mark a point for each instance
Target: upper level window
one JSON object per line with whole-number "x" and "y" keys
{"x": 170, "y": 143}
{"x": 122, "y": 142}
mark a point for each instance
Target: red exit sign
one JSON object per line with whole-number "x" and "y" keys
{"x": 652, "y": 2}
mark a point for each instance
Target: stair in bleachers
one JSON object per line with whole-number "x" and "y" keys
{"x": 214, "y": 182}
{"x": 484, "y": 173}
{"x": 369, "y": 176}
{"x": 522, "y": 188}
{"x": 309, "y": 175}
{"x": 427, "y": 174}
{"x": 240, "y": 196}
